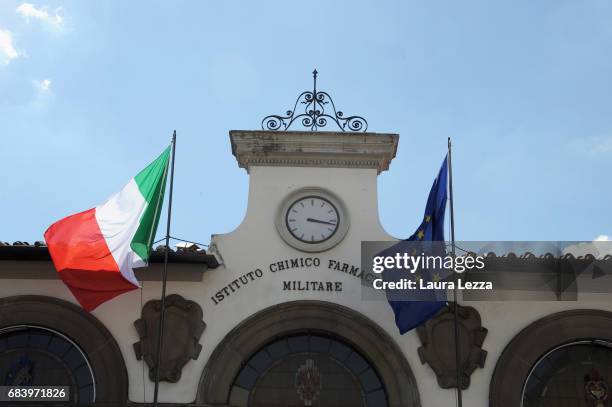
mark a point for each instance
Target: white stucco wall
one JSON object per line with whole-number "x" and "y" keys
{"x": 256, "y": 244}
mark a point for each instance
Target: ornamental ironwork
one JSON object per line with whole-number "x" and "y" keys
{"x": 21, "y": 373}
{"x": 308, "y": 382}
{"x": 314, "y": 115}
{"x": 596, "y": 389}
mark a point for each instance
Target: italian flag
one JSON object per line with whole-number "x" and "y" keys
{"x": 96, "y": 251}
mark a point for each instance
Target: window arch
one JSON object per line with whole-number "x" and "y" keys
{"x": 59, "y": 335}
{"x": 313, "y": 319}
{"x": 37, "y": 356}
{"x": 307, "y": 368}
{"x": 571, "y": 374}
{"x": 535, "y": 358}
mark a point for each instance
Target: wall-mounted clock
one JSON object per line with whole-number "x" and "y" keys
{"x": 312, "y": 220}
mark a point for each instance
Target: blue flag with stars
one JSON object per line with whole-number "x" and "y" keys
{"x": 414, "y": 307}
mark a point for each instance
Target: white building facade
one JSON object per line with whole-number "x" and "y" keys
{"x": 274, "y": 315}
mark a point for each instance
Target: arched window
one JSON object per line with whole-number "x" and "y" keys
{"x": 35, "y": 356}
{"x": 576, "y": 374}
{"x": 305, "y": 370}
{"x": 303, "y": 353}
{"x": 561, "y": 360}
{"x": 48, "y": 341}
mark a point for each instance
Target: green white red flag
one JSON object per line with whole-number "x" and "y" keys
{"x": 96, "y": 251}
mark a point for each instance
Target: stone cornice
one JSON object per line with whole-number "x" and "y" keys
{"x": 313, "y": 149}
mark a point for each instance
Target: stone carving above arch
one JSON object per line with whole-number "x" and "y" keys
{"x": 315, "y": 317}
{"x": 437, "y": 336}
{"x": 533, "y": 342}
{"x": 183, "y": 327}
{"x": 91, "y": 336}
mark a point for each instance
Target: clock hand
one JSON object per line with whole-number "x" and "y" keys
{"x": 320, "y": 221}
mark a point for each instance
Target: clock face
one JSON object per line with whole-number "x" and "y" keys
{"x": 312, "y": 219}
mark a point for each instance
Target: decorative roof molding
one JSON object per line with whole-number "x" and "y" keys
{"x": 313, "y": 149}
{"x": 23, "y": 251}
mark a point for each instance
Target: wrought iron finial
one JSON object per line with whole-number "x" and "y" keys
{"x": 314, "y": 115}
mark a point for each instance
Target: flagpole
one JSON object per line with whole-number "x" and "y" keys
{"x": 456, "y": 307}
{"x": 160, "y": 331}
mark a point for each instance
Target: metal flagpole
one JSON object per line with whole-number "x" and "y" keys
{"x": 456, "y": 307}
{"x": 160, "y": 331}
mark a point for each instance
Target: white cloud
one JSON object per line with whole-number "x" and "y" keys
{"x": 29, "y": 11}
{"x": 43, "y": 86}
{"x": 44, "y": 94}
{"x": 8, "y": 52}
{"x": 602, "y": 238}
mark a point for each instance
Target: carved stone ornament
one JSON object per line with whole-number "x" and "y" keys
{"x": 308, "y": 382}
{"x": 438, "y": 339}
{"x": 596, "y": 389}
{"x": 183, "y": 327}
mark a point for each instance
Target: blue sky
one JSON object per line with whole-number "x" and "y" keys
{"x": 91, "y": 91}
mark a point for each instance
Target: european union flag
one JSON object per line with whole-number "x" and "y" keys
{"x": 414, "y": 307}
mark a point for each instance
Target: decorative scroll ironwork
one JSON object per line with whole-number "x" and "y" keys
{"x": 314, "y": 115}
